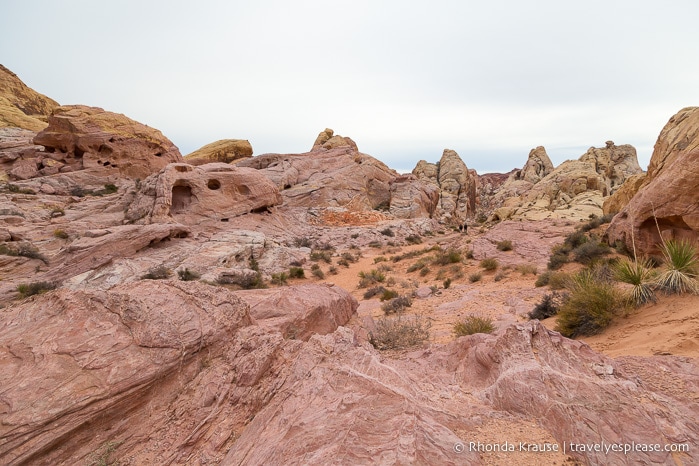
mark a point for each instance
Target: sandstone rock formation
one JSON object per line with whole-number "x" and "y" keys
{"x": 457, "y": 186}
{"x": 225, "y": 151}
{"x": 411, "y": 198}
{"x": 622, "y": 196}
{"x": 576, "y": 189}
{"x": 189, "y": 194}
{"x": 14, "y": 144}
{"x": 80, "y": 137}
{"x": 21, "y": 106}
{"x": 327, "y": 139}
{"x": 669, "y": 194}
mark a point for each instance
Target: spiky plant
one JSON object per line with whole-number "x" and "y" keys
{"x": 640, "y": 275}
{"x": 681, "y": 265}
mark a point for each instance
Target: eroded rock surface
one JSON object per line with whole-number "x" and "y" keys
{"x": 21, "y": 106}
{"x": 224, "y": 151}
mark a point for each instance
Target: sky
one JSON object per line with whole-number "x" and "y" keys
{"x": 403, "y": 79}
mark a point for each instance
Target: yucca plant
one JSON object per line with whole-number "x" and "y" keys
{"x": 639, "y": 274}
{"x": 681, "y": 264}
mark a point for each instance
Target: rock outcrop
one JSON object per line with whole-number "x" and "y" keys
{"x": 538, "y": 166}
{"x": 15, "y": 143}
{"x": 188, "y": 194}
{"x": 411, "y": 198}
{"x": 327, "y": 139}
{"x": 669, "y": 194}
{"x": 80, "y": 137}
{"x": 457, "y": 186}
{"x": 224, "y": 151}
{"x": 21, "y": 106}
{"x": 623, "y": 195}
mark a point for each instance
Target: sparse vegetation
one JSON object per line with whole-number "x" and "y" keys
{"x": 23, "y": 249}
{"x": 296, "y": 272}
{"x": 447, "y": 283}
{"x": 159, "y": 272}
{"x": 525, "y": 269}
{"x": 58, "y": 233}
{"x": 590, "y": 307}
{"x": 548, "y": 307}
{"x": 387, "y": 294}
{"x": 504, "y": 245}
{"x": 424, "y": 271}
{"x": 375, "y": 244}
{"x": 413, "y": 239}
{"x": 102, "y": 457}
{"x": 400, "y": 332}
{"x": 475, "y": 277}
{"x": 473, "y": 324}
{"x": 558, "y": 280}
{"x": 332, "y": 270}
{"x": 396, "y": 305}
{"x": 324, "y": 255}
{"x": 318, "y": 273}
{"x": 30, "y": 289}
{"x": 499, "y": 276}
{"x": 450, "y": 256}
{"x": 639, "y": 275}
{"x": 187, "y": 275}
{"x": 542, "y": 279}
{"x": 302, "y": 242}
{"x": 590, "y": 251}
{"x": 280, "y": 278}
{"x": 374, "y": 291}
{"x": 370, "y": 278}
{"x": 387, "y": 232}
{"x": 489, "y": 264}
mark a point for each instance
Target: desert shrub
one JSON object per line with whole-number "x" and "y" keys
{"x": 370, "y": 278}
{"x": 413, "y": 239}
{"x": 58, "y": 233}
{"x": 548, "y": 307}
{"x": 447, "y": 283}
{"x": 557, "y": 260}
{"x": 411, "y": 254}
{"x": 400, "y": 332}
{"x": 279, "y": 278}
{"x": 318, "y": 255}
{"x": 384, "y": 268}
{"x": 420, "y": 264}
{"x": 57, "y": 212}
{"x": 424, "y": 271}
{"x": 639, "y": 275}
{"x": 343, "y": 262}
{"x": 489, "y": 264}
{"x": 504, "y": 245}
{"x": 110, "y": 188}
{"x": 349, "y": 257}
{"x": 589, "y": 251}
{"x": 296, "y": 272}
{"x": 473, "y": 324}
{"x": 25, "y": 250}
{"x": 681, "y": 267}
{"x": 450, "y": 256}
{"x": 324, "y": 246}
{"x": 375, "y": 244}
{"x": 30, "y": 289}
{"x": 379, "y": 259}
{"x": 499, "y": 276}
{"x": 318, "y": 273}
{"x": 159, "y": 272}
{"x": 524, "y": 269}
{"x": 590, "y": 307}
{"x": 475, "y": 277}
{"x": 302, "y": 242}
{"x": 575, "y": 239}
{"x": 388, "y": 294}
{"x": 374, "y": 291}
{"x": 469, "y": 254}
{"x": 332, "y": 270}
{"x": 187, "y": 275}
{"x": 396, "y": 305}
{"x": 542, "y": 279}
{"x": 387, "y": 232}
{"x": 558, "y": 280}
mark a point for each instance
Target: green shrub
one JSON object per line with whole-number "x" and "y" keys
{"x": 575, "y": 239}
{"x": 318, "y": 273}
{"x": 542, "y": 279}
{"x": 589, "y": 251}
{"x": 413, "y": 239}
{"x": 375, "y": 244}
{"x": 475, "y": 277}
{"x": 371, "y": 278}
{"x": 379, "y": 259}
{"x": 325, "y": 256}
{"x": 473, "y": 324}
{"x": 558, "y": 280}
{"x": 29, "y": 289}
{"x": 400, "y": 332}
{"x": 280, "y": 278}
{"x": 25, "y": 250}
{"x": 58, "y": 233}
{"x": 489, "y": 264}
{"x": 499, "y": 276}
{"x": 374, "y": 291}
{"x": 159, "y": 272}
{"x": 557, "y": 260}
{"x": 548, "y": 307}
{"x": 387, "y": 232}
{"x": 590, "y": 307}
{"x": 524, "y": 269}
{"x": 504, "y": 245}
{"x": 332, "y": 270}
{"x": 388, "y": 294}
{"x": 447, "y": 283}
{"x": 296, "y": 272}
{"x": 424, "y": 271}
{"x": 187, "y": 275}
{"x": 396, "y": 305}
{"x": 450, "y": 256}
{"x": 681, "y": 267}
{"x": 302, "y": 242}
{"x": 639, "y": 275}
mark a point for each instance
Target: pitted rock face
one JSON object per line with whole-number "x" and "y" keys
{"x": 91, "y": 138}
{"x": 667, "y": 203}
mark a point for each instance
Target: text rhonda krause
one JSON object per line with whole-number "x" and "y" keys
{"x": 603, "y": 447}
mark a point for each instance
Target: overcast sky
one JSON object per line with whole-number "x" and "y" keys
{"x": 404, "y": 79}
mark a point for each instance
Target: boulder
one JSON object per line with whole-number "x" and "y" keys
{"x": 21, "y": 106}
{"x": 327, "y": 139}
{"x": 189, "y": 194}
{"x": 667, "y": 203}
{"x": 92, "y": 138}
{"x": 224, "y": 151}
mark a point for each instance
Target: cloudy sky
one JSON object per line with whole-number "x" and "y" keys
{"x": 404, "y": 79}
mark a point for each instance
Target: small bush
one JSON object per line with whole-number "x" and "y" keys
{"x": 396, "y": 305}
{"x": 681, "y": 265}
{"x": 542, "y": 279}
{"x": 280, "y": 278}
{"x": 354, "y": 235}
{"x": 110, "y": 188}
{"x": 27, "y": 250}
{"x": 475, "y": 277}
{"x": 413, "y": 239}
{"x": 499, "y": 276}
{"x": 447, "y": 283}
{"x": 558, "y": 280}
{"x": 371, "y": 278}
{"x": 318, "y": 273}
{"x": 375, "y": 244}
{"x": 473, "y": 324}
{"x": 575, "y": 239}
{"x": 302, "y": 242}
{"x": 374, "y": 291}
{"x": 590, "y": 307}
{"x": 504, "y": 245}
{"x": 343, "y": 262}
{"x": 332, "y": 270}
{"x": 296, "y": 272}
{"x": 469, "y": 254}
{"x": 325, "y": 256}
{"x": 525, "y": 269}
{"x": 61, "y": 234}
{"x": 588, "y": 252}
{"x": 400, "y": 332}
{"x": 548, "y": 307}
{"x": 388, "y": 294}
{"x": 159, "y": 272}
{"x": 379, "y": 259}
{"x": 639, "y": 275}
{"x": 450, "y": 256}
{"x": 387, "y": 232}
{"x": 187, "y": 275}
{"x": 489, "y": 264}
{"x": 424, "y": 271}
{"x": 30, "y": 289}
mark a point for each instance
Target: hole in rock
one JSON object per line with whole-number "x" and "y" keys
{"x": 181, "y": 198}
{"x": 213, "y": 184}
